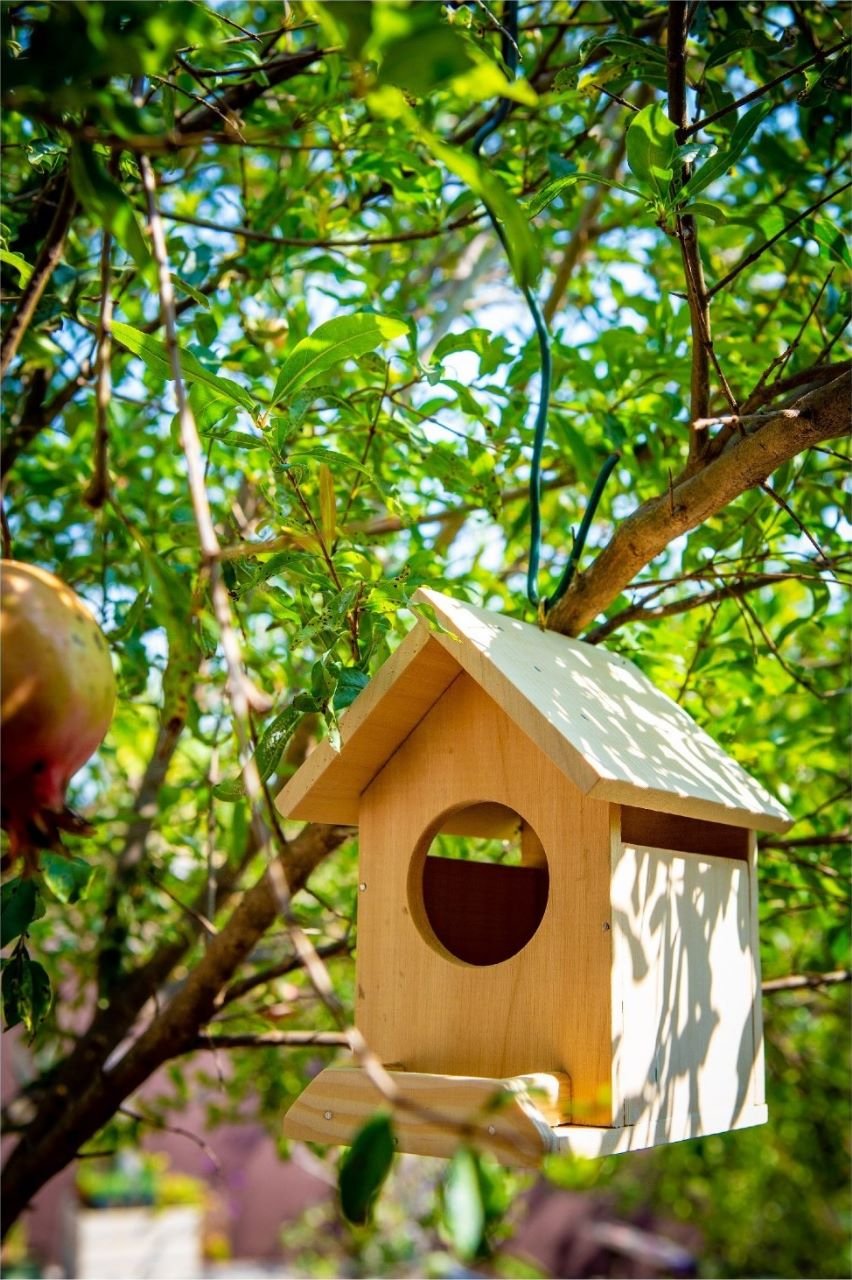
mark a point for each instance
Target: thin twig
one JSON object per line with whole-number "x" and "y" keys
{"x": 98, "y": 489}
{"x": 46, "y": 262}
{"x": 767, "y": 244}
{"x": 762, "y": 89}
{"x": 352, "y": 242}
{"x": 804, "y": 981}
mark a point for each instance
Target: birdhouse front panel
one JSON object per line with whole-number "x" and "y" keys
{"x": 451, "y": 1006}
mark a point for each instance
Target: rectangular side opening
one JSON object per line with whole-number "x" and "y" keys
{"x": 683, "y": 835}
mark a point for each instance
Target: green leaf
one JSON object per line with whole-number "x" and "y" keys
{"x": 26, "y": 992}
{"x": 40, "y": 996}
{"x": 423, "y": 60}
{"x": 521, "y": 245}
{"x": 364, "y": 1168}
{"x": 156, "y": 356}
{"x": 651, "y": 147}
{"x": 350, "y": 682}
{"x": 16, "y": 988}
{"x": 333, "y": 342}
{"x": 268, "y": 755}
{"x": 104, "y": 199}
{"x": 518, "y": 236}
{"x": 719, "y": 164}
{"x": 464, "y": 1212}
{"x": 706, "y": 209}
{"x": 69, "y": 879}
{"x": 22, "y": 267}
{"x": 20, "y": 904}
{"x": 549, "y": 193}
{"x": 191, "y": 291}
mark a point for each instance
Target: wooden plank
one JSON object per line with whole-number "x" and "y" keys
{"x": 327, "y": 786}
{"x": 592, "y": 1143}
{"x": 433, "y": 1114}
{"x": 601, "y": 720}
{"x": 548, "y": 1006}
{"x": 684, "y": 990}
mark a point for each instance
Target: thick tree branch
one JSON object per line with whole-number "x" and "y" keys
{"x": 821, "y": 415}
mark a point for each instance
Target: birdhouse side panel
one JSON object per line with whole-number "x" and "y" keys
{"x": 686, "y": 992}
{"x": 547, "y": 1007}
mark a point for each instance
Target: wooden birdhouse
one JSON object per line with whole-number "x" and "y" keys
{"x": 599, "y": 994}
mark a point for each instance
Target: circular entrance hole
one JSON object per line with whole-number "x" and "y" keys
{"x": 479, "y": 884}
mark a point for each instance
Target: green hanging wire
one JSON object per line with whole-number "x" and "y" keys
{"x": 511, "y": 54}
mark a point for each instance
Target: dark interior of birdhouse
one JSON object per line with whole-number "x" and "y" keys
{"x": 484, "y": 884}
{"x": 683, "y": 835}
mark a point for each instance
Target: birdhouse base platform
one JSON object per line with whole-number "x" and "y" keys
{"x": 519, "y": 1120}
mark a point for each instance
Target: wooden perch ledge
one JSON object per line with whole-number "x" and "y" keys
{"x": 747, "y": 461}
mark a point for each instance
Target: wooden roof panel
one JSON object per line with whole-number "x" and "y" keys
{"x": 604, "y": 724}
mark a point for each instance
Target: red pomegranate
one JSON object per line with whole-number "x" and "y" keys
{"x": 56, "y": 702}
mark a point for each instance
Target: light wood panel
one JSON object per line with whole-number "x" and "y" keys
{"x": 328, "y": 785}
{"x": 512, "y": 1118}
{"x": 684, "y": 993}
{"x": 548, "y": 1007}
{"x": 437, "y": 1113}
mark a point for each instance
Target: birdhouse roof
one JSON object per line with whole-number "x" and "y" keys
{"x": 602, "y": 722}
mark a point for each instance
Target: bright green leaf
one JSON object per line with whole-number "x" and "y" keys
{"x": 464, "y": 1214}
{"x": 104, "y": 199}
{"x": 330, "y": 344}
{"x": 156, "y": 356}
{"x": 19, "y": 906}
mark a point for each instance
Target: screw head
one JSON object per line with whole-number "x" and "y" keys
{"x": 327, "y": 1115}
{"x": 492, "y": 1130}
{"x": 606, "y": 926}
{"x": 362, "y": 887}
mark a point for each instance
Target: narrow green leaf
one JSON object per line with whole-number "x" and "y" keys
{"x": 364, "y": 1168}
{"x": 330, "y": 344}
{"x": 20, "y": 904}
{"x": 104, "y": 199}
{"x": 22, "y": 267}
{"x": 191, "y": 291}
{"x": 155, "y": 355}
{"x": 69, "y": 879}
{"x": 464, "y": 1214}
{"x": 549, "y": 193}
{"x": 719, "y": 164}
{"x": 519, "y": 238}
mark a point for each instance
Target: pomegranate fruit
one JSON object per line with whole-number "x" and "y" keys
{"x": 56, "y": 701}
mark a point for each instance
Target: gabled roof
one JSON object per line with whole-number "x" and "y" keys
{"x": 601, "y": 721}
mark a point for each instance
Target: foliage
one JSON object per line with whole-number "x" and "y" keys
{"x": 362, "y": 370}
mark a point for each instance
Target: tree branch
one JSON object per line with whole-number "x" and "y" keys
{"x": 46, "y": 263}
{"x": 805, "y": 981}
{"x": 763, "y": 88}
{"x": 98, "y": 1093}
{"x": 821, "y": 415}
{"x": 767, "y": 244}
{"x": 271, "y": 1040}
{"x": 644, "y": 613}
